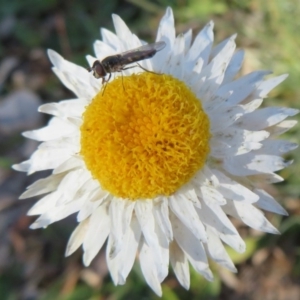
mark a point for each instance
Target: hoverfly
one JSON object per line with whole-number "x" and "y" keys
{"x": 118, "y": 62}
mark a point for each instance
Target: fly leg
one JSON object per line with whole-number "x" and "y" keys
{"x": 147, "y": 70}
{"x": 104, "y": 82}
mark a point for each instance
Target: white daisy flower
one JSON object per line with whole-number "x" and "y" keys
{"x": 157, "y": 163}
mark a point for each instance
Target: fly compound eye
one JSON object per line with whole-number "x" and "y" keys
{"x": 98, "y": 70}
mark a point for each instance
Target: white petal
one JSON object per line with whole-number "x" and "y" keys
{"x": 72, "y": 76}
{"x": 250, "y": 216}
{"x": 237, "y": 141}
{"x": 267, "y": 85}
{"x": 166, "y": 33}
{"x": 192, "y": 247}
{"x": 214, "y": 217}
{"x": 77, "y": 237}
{"x": 116, "y": 210}
{"x": 103, "y": 50}
{"x": 217, "y": 251}
{"x": 127, "y": 215}
{"x": 127, "y": 255}
{"x": 47, "y": 203}
{"x": 215, "y": 70}
{"x": 112, "y": 40}
{"x": 99, "y": 228}
{"x": 281, "y": 127}
{"x": 265, "y": 117}
{"x": 267, "y": 202}
{"x": 148, "y": 263}
{"x": 56, "y": 214}
{"x": 238, "y": 135}
{"x": 57, "y": 128}
{"x": 180, "y": 265}
{"x": 71, "y": 143}
{"x": 252, "y": 105}
{"x": 93, "y": 199}
{"x": 71, "y": 183}
{"x": 188, "y": 39}
{"x": 251, "y": 164}
{"x": 176, "y": 61}
{"x": 145, "y": 216}
{"x": 233, "y": 190}
{"x": 80, "y": 86}
{"x": 223, "y": 117}
{"x": 277, "y": 147}
{"x": 234, "y": 66}
{"x": 242, "y": 87}
{"x": 74, "y": 162}
{"x": 73, "y": 108}
{"x": 43, "y": 186}
{"x": 43, "y": 159}
{"x": 163, "y": 268}
{"x": 186, "y": 213}
{"x": 266, "y": 178}
{"x": 161, "y": 213}
{"x": 201, "y": 46}
{"x": 210, "y": 195}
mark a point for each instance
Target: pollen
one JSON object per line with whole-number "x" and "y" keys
{"x": 145, "y": 136}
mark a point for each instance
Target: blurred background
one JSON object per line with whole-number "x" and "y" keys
{"x": 32, "y": 263}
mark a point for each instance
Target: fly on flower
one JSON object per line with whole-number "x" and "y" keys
{"x": 118, "y": 62}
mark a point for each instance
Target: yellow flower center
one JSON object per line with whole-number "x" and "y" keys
{"x": 146, "y": 136}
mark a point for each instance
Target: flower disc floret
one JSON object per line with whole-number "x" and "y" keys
{"x": 145, "y": 136}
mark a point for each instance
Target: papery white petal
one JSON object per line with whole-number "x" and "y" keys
{"x": 186, "y": 213}
{"x": 277, "y": 147}
{"x": 250, "y": 216}
{"x": 56, "y": 213}
{"x": 251, "y": 164}
{"x": 43, "y": 186}
{"x": 66, "y": 108}
{"x": 217, "y": 251}
{"x": 234, "y": 66}
{"x": 57, "y": 128}
{"x": 127, "y": 256}
{"x": 266, "y": 117}
{"x": 176, "y": 61}
{"x": 188, "y": 35}
{"x": 281, "y": 127}
{"x": 242, "y": 87}
{"x": 77, "y": 237}
{"x": 74, "y": 162}
{"x": 99, "y": 228}
{"x": 93, "y": 199}
{"x": 226, "y": 117}
{"x": 214, "y": 217}
{"x": 180, "y": 265}
{"x": 233, "y": 190}
{"x": 161, "y": 213}
{"x": 267, "y": 202}
{"x": 112, "y": 40}
{"x": 166, "y": 33}
{"x": 193, "y": 248}
{"x": 267, "y": 85}
{"x": 124, "y": 34}
{"x": 148, "y": 266}
{"x": 201, "y": 46}
{"x": 116, "y": 210}
{"x": 144, "y": 214}
{"x": 103, "y": 50}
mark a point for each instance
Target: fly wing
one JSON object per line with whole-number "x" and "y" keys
{"x": 140, "y": 53}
